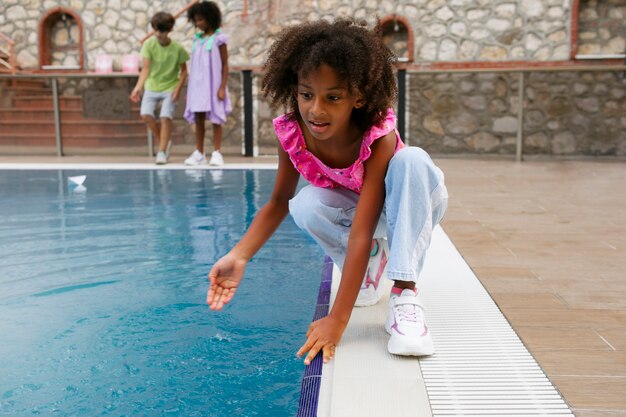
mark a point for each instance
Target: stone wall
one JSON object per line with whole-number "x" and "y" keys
{"x": 462, "y": 113}
{"x": 565, "y": 113}
{"x": 456, "y": 30}
{"x": 575, "y": 114}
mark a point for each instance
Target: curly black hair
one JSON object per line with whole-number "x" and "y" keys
{"x": 357, "y": 54}
{"x": 209, "y": 11}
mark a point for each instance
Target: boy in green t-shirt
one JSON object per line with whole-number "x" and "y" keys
{"x": 164, "y": 71}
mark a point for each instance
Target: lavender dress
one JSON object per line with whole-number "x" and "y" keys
{"x": 205, "y": 78}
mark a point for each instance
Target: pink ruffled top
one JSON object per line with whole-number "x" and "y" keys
{"x": 315, "y": 171}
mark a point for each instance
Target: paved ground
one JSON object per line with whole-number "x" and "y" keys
{"x": 548, "y": 241}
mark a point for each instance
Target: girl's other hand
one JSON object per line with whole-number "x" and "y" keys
{"x": 323, "y": 335}
{"x": 224, "y": 277}
{"x": 221, "y": 93}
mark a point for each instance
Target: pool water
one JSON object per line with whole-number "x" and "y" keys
{"x": 103, "y": 287}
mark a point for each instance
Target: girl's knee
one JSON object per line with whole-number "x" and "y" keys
{"x": 313, "y": 205}
{"x": 410, "y": 159}
{"x": 301, "y": 204}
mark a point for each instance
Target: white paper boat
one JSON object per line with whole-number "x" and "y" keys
{"x": 78, "y": 180}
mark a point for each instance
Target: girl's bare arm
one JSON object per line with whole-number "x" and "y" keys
{"x": 324, "y": 334}
{"x": 221, "y": 93}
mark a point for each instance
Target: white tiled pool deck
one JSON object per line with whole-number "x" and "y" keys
{"x": 547, "y": 242}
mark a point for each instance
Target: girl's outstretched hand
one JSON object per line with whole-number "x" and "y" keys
{"x": 224, "y": 277}
{"x": 323, "y": 335}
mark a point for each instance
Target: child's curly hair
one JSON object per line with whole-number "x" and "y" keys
{"x": 357, "y": 54}
{"x": 209, "y": 11}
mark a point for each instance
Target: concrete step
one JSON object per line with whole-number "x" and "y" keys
{"x": 44, "y": 101}
{"x": 26, "y": 91}
{"x": 75, "y": 127}
{"x": 40, "y": 114}
{"x": 29, "y": 83}
{"x": 73, "y": 140}
{"x": 16, "y": 115}
{"x": 48, "y": 115}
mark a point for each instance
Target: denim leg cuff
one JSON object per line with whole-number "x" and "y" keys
{"x": 401, "y": 276}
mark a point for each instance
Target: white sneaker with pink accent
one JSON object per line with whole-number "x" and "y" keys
{"x": 407, "y": 326}
{"x": 371, "y": 288}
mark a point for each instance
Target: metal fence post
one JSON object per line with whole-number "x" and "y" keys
{"x": 520, "y": 118}
{"x": 402, "y": 103}
{"x": 150, "y": 144}
{"x": 57, "y": 117}
{"x": 248, "y": 114}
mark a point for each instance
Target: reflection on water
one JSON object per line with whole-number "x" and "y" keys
{"x": 102, "y": 296}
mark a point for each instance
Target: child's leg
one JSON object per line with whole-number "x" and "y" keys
{"x": 217, "y": 137}
{"x": 416, "y": 200}
{"x": 167, "y": 114}
{"x": 152, "y": 125}
{"x": 148, "y": 105}
{"x": 166, "y": 132}
{"x": 199, "y": 131}
{"x": 326, "y": 215}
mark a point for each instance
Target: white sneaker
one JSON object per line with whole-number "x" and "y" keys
{"x": 196, "y": 158}
{"x": 216, "y": 159}
{"x": 407, "y": 326}
{"x": 371, "y": 289}
{"x": 161, "y": 158}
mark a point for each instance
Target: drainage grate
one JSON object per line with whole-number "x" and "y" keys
{"x": 481, "y": 367}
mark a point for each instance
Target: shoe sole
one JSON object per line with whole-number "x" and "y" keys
{"x": 398, "y": 348}
{"x": 367, "y": 303}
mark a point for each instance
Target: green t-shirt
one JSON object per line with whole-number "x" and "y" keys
{"x": 165, "y": 62}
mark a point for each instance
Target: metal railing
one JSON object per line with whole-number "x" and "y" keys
{"x": 248, "y": 97}
{"x": 521, "y": 71}
{"x": 54, "y": 77}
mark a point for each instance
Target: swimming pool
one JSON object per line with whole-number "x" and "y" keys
{"x": 102, "y": 295}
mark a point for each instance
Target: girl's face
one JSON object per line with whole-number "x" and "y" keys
{"x": 201, "y": 23}
{"x": 325, "y": 104}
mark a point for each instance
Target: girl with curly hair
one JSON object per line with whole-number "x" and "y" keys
{"x": 372, "y": 202}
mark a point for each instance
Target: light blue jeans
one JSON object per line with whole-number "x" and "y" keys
{"x": 416, "y": 200}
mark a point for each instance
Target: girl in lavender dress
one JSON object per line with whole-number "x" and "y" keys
{"x": 207, "y": 95}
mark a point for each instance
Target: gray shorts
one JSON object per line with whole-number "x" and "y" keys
{"x": 150, "y": 100}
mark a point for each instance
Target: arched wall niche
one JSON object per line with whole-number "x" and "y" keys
{"x": 598, "y": 29}
{"x": 61, "y": 40}
{"x": 398, "y": 36}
